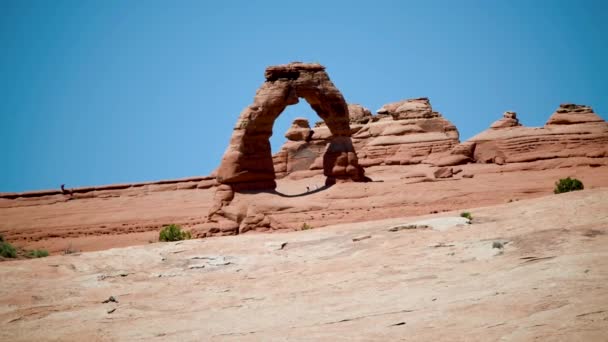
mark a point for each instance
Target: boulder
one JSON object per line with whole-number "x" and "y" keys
{"x": 358, "y": 114}
{"x": 299, "y": 130}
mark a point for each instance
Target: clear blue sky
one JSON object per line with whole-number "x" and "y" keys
{"x": 99, "y": 92}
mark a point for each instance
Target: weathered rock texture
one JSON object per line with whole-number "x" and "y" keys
{"x": 248, "y": 163}
{"x": 573, "y": 131}
{"x": 547, "y": 281}
{"x": 509, "y": 119}
{"x": 300, "y": 151}
{"x": 403, "y": 133}
{"x": 414, "y": 133}
{"x": 410, "y": 132}
{"x": 417, "y": 176}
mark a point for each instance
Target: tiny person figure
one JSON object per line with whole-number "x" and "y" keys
{"x": 65, "y": 191}
{"x": 307, "y": 188}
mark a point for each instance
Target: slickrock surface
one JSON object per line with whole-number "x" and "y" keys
{"x": 528, "y": 270}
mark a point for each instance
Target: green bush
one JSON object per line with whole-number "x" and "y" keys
{"x": 305, "y": 226}
{"x": 173, "y": 232}
{"x": 38, "y": 253}
{"x": 466, "y": 215}
{"x": 7, "y": 250}
{"x": 567, "y": 185}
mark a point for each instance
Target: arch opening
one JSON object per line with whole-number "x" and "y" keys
{"x": 285, "y": 121}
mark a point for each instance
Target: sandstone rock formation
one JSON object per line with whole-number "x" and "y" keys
{"x": 300, "y": 151}
{"x": 404, "y": 132}
{"x": 415, "y": 146}
{"x": 410, "y": 132}
{"x": 573, "y": 131}
{"x": 299, "y": 130}
{"x": 568, "y": 114}
{"x": 358, "y": 114}
{"x": 247, "y": 162}
{"x": 509, "y": 119}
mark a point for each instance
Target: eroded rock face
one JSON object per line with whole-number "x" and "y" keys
{"x": 509, "y": 119}
{"x": 358, "y": 114}
{"x": 415, "y": 133}
{"x": 409, "y": 109}
{"x": 570, "y": 114}
{"x": 299, "y": 130}
{"x": 248, "y": 164}
{"x": 301, "y": 150}
{"x": 403, "y": 133}
{"x": 572, "y": 131}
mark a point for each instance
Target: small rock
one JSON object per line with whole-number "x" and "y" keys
{"x": 409, "y": 226}
{"x": 363, "y": 237}
{"x": 111, "y": 299}
{"x": 441, "y": 244}
{"x": 197, "y": 266}
{"x": 467, "y": 175}
{"x": 276, "y": 245}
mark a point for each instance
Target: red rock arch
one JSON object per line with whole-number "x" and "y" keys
{"x": 247, "y": 162}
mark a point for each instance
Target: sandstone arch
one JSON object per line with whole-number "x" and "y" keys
{"x": 247, "y": 163}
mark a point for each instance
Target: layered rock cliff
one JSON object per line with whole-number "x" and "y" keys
{"x": 572, "y": 131}
{"x": 403, "y": 133}
{"x": 410, "y": 132}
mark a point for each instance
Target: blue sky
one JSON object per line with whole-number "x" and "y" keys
{"x": 99, "y": 92}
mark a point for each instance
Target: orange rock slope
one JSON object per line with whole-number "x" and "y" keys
{"x": 530, "y": 270}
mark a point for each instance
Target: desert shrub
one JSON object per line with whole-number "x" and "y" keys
{"x": 38, "y": 253}
{"x": 7, "y": 250}
{"x": 498, "y": 244}
{"x": 466, "y": 215}
{"x": 1, "y": 238}
{"x": 173, "y": 232}
{"x": 305, "y": 226}
{"x": 567, "y": 185}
